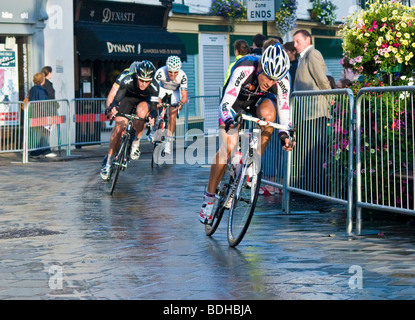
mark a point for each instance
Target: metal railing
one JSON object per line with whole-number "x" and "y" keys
{"x": 46, "y": 126}
{"x": 11, "y": 126}
{"x": 321, "y": 164}
{"x": 91, "y": 123}
{"x": 385, "y": 135}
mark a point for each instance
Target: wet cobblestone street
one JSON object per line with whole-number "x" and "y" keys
{"x": 62, "y": 236}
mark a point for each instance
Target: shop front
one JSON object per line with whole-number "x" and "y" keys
{"x": 21, "y": 50}
{"x": 111, "y": 35}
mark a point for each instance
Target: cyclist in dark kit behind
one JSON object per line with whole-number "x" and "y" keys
{"x": 137, "y": 91}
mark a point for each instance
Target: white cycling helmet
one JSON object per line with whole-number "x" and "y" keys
{"x": 173, "y": 63}
{"x": 275, "y": 62}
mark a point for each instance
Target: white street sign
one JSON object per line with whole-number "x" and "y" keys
{"x": 261, "y": 10}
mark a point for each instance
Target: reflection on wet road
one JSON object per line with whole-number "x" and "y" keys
{"x": 145, "y": 241}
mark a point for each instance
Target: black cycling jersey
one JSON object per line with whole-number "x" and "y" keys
{"x": 129, "y": 94}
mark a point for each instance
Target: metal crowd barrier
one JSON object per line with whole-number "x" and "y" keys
{"x": 321, "y": 164}
{"x": 11, "y": 126}
{"x": 385, "y": 135}
{"x": 91, "y": 123}
{"x": 46, "y": 126}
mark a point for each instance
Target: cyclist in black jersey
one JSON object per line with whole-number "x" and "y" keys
{"x": 116, "y": 84}
{"x": 137, "y": 91}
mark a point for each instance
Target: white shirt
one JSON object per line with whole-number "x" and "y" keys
{"x": 171, "y": 87}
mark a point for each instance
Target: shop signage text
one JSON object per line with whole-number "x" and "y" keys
{"x": 260, "y": 10}
{"x": 120, "y": 48}
{"x": 109, "y": 16}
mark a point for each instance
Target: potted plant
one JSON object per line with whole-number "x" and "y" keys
{"x": 323, "y": 11}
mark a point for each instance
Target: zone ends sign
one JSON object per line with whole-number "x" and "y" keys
{"x": 261, "y": 10}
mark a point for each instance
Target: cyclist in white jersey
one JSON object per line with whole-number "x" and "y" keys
{"x": 173, "y": 82}
{"x": 261, "y": 87}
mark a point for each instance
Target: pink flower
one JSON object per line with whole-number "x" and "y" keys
{"x": 358, "y": 59}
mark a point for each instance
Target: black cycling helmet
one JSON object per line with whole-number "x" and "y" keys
{"x": 145, "y": 70}
{"x": 133, "y": 66}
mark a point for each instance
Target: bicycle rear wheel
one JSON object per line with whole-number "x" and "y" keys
{"x": 119, "y": 161}
{"x": 219, "y": 206}
{"x": 246, "y": 192}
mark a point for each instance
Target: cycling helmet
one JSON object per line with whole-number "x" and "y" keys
{"x": 275, "y": 62}
{"x": 173, "y": 63}
{"x": 145, "y": 70}
{"x": 133, "y": 66}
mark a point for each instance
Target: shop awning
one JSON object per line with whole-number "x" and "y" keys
{"x": 100, "y": 42}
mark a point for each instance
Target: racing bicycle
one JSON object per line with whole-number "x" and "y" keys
{"x": 158, "y": 133}
{"x": 239, "y": 188}
{"x": 122, "y": 156}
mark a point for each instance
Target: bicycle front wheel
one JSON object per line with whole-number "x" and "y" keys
{"x": 119, "y": 161}
{"x": 219, "y": 206}
{"x": 158, "y": 145}
{"x": 245, "y": 195}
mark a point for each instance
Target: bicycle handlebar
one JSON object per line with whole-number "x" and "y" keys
{"x": 291, "y": 129}
{"x": 128, "y": 116}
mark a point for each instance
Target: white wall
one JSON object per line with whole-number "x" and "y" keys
{"x": 59, "y": 47}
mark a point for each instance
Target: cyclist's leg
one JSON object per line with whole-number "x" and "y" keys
{"x": 126, "y": 106}
{"x": 228, "y": 142}
{"x": 119, "y": 127}
{"x": 267, "y": 109}
{"x": 116, "y": 133}
{"x": 142, "y": 110}
{"x": 172, "y": 116}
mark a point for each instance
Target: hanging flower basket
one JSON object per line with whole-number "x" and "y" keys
{"x": 231, "y": 9}
{"x": 286, "y": 18}
{"x": 323, "y": 11}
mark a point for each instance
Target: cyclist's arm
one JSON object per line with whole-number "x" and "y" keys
{"x": 122, "y": 90}
{"x": 283, "y": 100}
{"x": 112, "y": 94}
{"x": 183, "y": 98}
{"x": 154, "y": 99}
{"x": 183, "y": 89}
{"x": 232, "y": 89}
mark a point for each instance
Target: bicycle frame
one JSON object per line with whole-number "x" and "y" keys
{"x": 240, "y": 194}
{"x": 122, "y": 156}
{"x": 162, "y": 119}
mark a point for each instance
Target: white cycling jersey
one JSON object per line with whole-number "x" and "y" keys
{"x": 173, "y": 87}
{"x": 242, "y": 91}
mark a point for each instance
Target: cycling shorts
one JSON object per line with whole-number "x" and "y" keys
{"x": 129, "y": 104}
